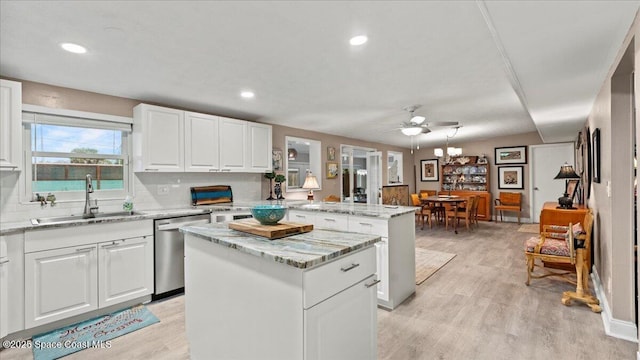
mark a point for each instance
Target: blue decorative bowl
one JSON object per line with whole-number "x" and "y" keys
{"x": 268, "y": 214}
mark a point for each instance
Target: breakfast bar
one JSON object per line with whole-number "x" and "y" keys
{"x": 306, "y": 296}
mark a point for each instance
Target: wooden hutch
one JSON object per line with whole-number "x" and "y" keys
{"x": 464, "y": 176}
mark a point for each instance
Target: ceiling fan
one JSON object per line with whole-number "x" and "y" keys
{"x": 416, "y": 124}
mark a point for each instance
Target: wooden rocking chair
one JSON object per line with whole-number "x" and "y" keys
{"x": 569, "y": 245}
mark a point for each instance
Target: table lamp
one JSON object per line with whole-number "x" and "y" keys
{"x": 310, "y": 183}
{"x": 566, "y": 172}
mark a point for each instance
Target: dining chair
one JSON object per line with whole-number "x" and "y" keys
{"x": 508, "y": 201}
{"x": 425, "y": 211}
{"x": 565, "y": 245}
{"x": 461, "y": 211}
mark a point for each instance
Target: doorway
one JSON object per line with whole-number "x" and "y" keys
{"x": 546, "y": 161}
{"x": 361, "y": 170}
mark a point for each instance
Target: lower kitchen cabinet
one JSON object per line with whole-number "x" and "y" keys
{"x": 4, "y": 294}
{"x": 382, "y": 268}
{"x": 347, "y": 315}
{"x": 74, "y": 270}
{"x": 60, "y": 283}
{"x": 125, "y": 270}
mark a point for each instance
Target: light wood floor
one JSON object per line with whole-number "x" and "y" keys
{"x": 476, "y": 307}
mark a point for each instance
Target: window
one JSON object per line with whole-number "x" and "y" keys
{"x": 62, "y": 150}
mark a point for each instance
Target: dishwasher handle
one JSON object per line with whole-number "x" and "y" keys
{"x": 176, "y": 226}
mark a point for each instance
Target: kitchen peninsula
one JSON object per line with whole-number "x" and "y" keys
{"x": 306, "y": 296}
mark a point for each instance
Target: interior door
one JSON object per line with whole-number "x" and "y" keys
{"x": 545, "y": 164}
{"x": 374, "y": 178}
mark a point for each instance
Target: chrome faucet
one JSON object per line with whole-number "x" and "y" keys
{"x": 89, "y": 211}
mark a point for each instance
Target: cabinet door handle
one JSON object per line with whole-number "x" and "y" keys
{"x": 150, "y": 169}
{"x": 373, "y": 283}
{"x": 4, "y": 261}
{"x": 214, "y": 170}
{"x": 352, "y": 266}
{"x": 108, "y": 246}
{"x": 87, "y": 249}
{"x": 301, "y": 216}
{"x": 329, "y": 219}
{"x": 225, "y": 170}
{"x": 366, "y": 224}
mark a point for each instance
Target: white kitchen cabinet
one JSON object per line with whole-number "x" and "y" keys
{"x": 174, "y": 140}
{"x": 305, "y": 217}
{"x": 158, "y": 136}
{"x": 382, "y": 268}
{"x": 4, "y": 290}
{"x": 259, "y": 142}
{"x": 60, "y": 283}
{"x": 125, "y": 270}
{"x": 343, "y": 326}
{"x": 73, "y": 270}
{"x": 10, "y": 125}
{"x": 234, "y": 153}
{"x": 201, "y": 151}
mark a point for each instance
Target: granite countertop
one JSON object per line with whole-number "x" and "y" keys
{"x": 370, "y": 210}
{"x": 301, "y": 251}
{"x": 381, "y": 211}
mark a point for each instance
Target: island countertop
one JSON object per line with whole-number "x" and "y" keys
{"x": 301, "y": 251}
{"x": 370, "y": 210}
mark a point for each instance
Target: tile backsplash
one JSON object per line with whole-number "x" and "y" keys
{"x": 150, "y": 191}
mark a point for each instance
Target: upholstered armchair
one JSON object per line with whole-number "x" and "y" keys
{"x": 566, "y": 245}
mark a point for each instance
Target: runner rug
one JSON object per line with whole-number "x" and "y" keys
{"x": 91, "y": 333}
{"x": 428, "y": 262}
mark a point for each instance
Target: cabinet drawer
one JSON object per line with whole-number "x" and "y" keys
{"x": 331, "y": 221}
{"x": 323, "y": 282}
{"x": 304, "y": 217}
{"x": 366, "y": 225}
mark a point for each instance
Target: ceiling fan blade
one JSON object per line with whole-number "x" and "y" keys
{"x": 443, "y": 123}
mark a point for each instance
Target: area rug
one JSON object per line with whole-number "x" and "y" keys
{"x": 91, "y": 333}
{"x": 530, "y": 228}
{"x": 428, "y": 262}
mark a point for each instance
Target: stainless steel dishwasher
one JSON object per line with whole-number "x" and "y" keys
{"x": 169, "y": 253}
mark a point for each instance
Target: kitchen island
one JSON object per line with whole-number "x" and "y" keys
{"x": 395, "y": 253}
{"x": 306, "y": 296}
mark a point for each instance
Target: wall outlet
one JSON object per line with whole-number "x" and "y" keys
{"x": 163, "y": 189}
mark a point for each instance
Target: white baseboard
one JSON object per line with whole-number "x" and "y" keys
{"x": 523, "y": 220}
{"x": 620, "y": 329}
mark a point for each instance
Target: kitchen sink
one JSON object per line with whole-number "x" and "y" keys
{"x": 72, "y": 218}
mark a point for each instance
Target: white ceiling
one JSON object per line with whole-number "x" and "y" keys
{"x": 497, "y": 67}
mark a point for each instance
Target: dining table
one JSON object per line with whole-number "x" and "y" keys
{"x": 440, "y": 200}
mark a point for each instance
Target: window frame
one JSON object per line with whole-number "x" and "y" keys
{"x": 75, "y": 119}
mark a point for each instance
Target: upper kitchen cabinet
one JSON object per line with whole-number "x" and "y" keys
{"x": 201, "y": 151}
{"x": 10, "y": 125}
{"x": 260, "y": 140}
{"x": 176, "y": 141}
{"x": 158, "y": 138}
{"x": 233, "y": 145}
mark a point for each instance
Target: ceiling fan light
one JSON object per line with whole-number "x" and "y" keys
{"x": 417, "y": 119}
{"x": 411, "y": 131}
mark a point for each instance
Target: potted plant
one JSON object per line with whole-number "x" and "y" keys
{"x": 270, "y": 176}
{"x": 279, "y": 179}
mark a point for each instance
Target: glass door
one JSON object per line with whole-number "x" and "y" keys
{"x": 361, "y": 174}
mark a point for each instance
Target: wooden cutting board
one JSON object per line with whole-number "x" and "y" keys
{"x": 279, "y": 230}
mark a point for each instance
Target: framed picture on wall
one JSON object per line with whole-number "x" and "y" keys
{"x": 511, "y": 155}
{"x": 429, "y": 170}
{"x": 276, "y": 156}
{"x": 596, "y": 155}
{"x": 332, "y": 170}
{"x": 572, "y": 188}
{"x": 510, "y": 177}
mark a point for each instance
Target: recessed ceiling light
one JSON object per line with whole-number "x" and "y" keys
{"x": 358, "y": 40}
{"x": 74, "y": 48}
{"x": 247, "y": 94}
